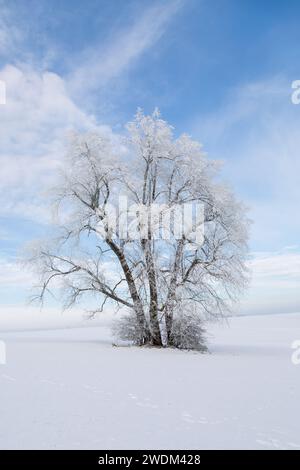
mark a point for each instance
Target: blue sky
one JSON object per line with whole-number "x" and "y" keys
{"x": 220, "y": 70}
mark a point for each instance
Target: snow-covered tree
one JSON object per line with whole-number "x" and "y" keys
{"x": 134, "y": 254}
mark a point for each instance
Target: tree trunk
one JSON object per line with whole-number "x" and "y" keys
{"x": 138, "y": 306}
{"x": 171, "y": 298}
{"x": 153, "y": 312}
{"x": 169, "y": 322}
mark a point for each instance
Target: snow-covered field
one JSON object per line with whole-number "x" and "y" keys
{"x": 70, "y": 388}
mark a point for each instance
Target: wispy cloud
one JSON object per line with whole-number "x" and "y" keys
{"x": 256, "y": 132}
{"x": 104, "y": 62}
{"x": 275, "y": 283}
{"x": 11, "y": 273}
{"x": 281, "y": 268}
{"x": 42, "y": 107}
{"x": 10, "y": 35}
{"x": 34, "y": 124}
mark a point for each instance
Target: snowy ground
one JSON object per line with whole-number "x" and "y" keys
{"x": 70, "y": 388}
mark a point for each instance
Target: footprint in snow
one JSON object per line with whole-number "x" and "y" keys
{"x": 50, "y": 382}
{"x": 189, "y": 419}
{"x": 292, "y": 444}
{"x": 8, "y": 377}
{"x": 146, "y": 403}
{"x": 270, "y": 443}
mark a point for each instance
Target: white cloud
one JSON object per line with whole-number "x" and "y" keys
{"x": 281, "y": 268}
{"x": 34, "y": 124}
{"x": 275, "y": 283}
{"x": 40, "y": 111}
{"x": 12, "y": 274}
